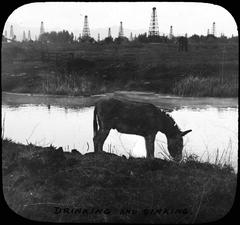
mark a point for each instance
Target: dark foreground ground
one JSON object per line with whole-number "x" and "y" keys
{"x": 47, "y": 184}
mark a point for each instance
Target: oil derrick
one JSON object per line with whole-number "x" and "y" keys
{"x": 11, "y": 32}
{"x": 207, "y": 32}
{"x": 42, "y": 29}
{"x": 98, "y": 37}
{"x": 214, "y": 29}
{"x": 109, "y": 32}
{"x": 29, "y": 36}
{"x": 153, "y": 28}
{"x": 86, "y": 30}
{"x": 24, "y": 36}
{"x": 120, "y": 34}
{"x": 171, "y": 32}
{"x": 131, "y": 37}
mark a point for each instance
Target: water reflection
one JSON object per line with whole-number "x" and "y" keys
{"x": 215, "y": 130}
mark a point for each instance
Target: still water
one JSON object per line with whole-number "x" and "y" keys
{"x": 215, "y": 131}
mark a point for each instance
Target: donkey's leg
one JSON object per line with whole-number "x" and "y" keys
{"x": 150, "y": 145}
{"x": 96, "y": 140}
{"x": 103, "y": 135}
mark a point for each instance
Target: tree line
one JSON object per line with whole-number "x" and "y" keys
{"x": 66, "y": 37}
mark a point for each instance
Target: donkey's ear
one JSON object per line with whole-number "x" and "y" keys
{"x": 185, "y": 132}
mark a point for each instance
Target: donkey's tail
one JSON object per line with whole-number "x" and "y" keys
{"x": 95, "y": 125}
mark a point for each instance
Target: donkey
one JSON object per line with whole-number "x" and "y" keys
{"x": 137, "y": 118}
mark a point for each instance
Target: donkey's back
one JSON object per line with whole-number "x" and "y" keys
{"x": 126, "y": 116}
{"x": 116, "y": 106}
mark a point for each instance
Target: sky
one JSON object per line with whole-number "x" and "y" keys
{"x": 190, "y": 18}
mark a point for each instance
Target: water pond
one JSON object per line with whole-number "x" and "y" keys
{"x": 215, "y": 130}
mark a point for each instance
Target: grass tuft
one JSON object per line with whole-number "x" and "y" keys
{"x": 206, "y": 87}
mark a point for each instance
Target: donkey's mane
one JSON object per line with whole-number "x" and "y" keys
{"x": 170, "y": 124}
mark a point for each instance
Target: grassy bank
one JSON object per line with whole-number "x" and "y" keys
{"x": 202, "y": 87}
{"x": 138, "y": 67}
{"x": 77, "y": 85}
{"x": 47, "y": 184}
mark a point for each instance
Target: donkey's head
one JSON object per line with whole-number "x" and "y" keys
{"x": 175, "y": 144}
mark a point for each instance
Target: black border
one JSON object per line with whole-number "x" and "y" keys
{"x": 8, "y": 7}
